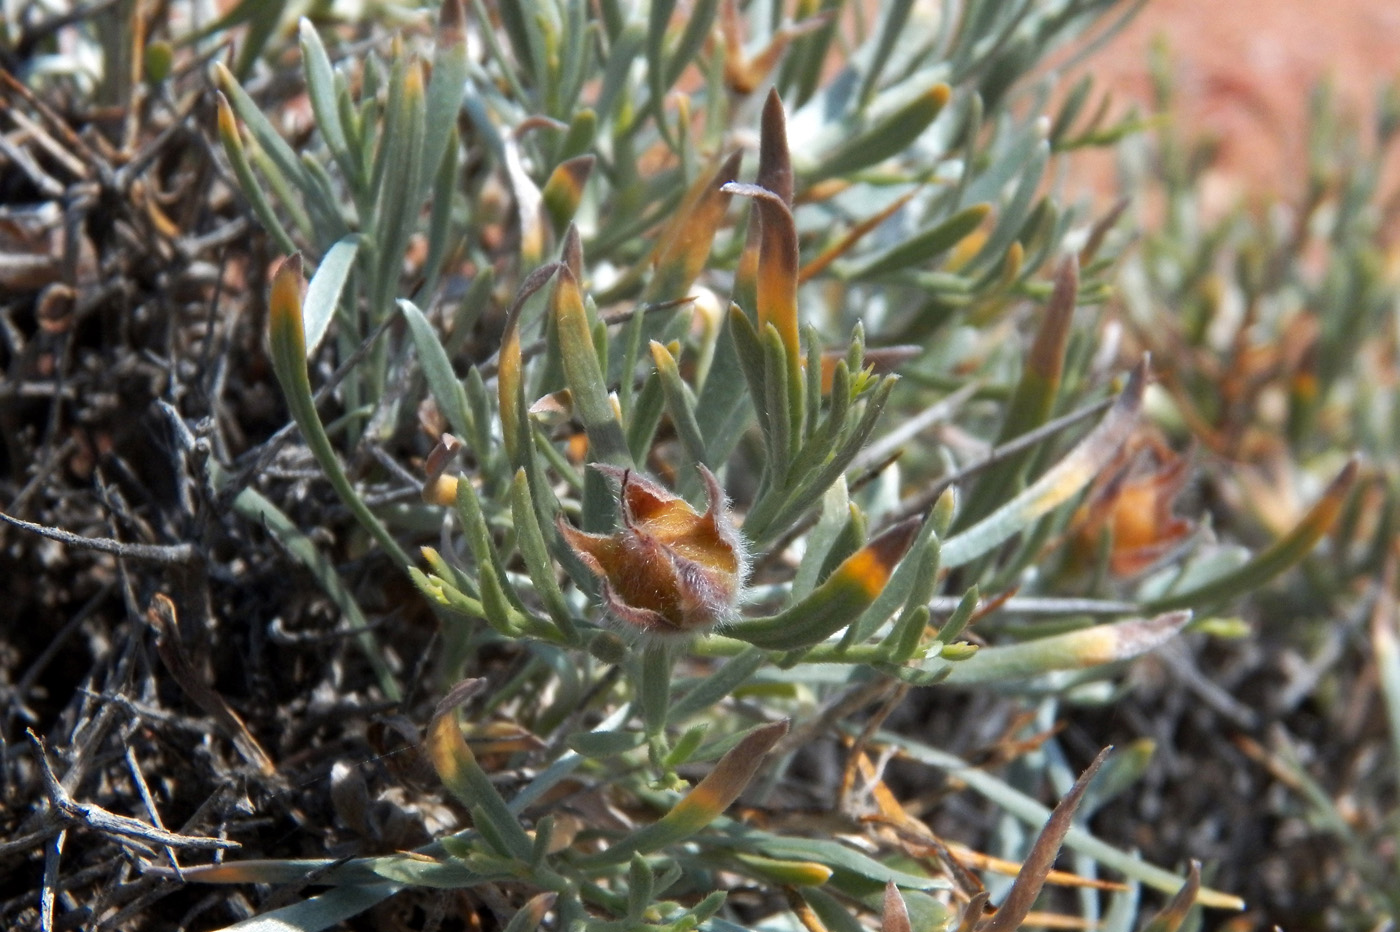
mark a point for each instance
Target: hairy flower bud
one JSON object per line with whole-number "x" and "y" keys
{"x": 669, "y": 569}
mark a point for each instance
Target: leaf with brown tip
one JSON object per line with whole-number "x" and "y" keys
{"x": 459, "y": 771}
{"x": 583, "y": 370}
{"x": 774, "y": 157}
{"x": 855, "y": 235}
{"x": 972, "y": 912}
{"x": 895, "y": 916}
{"x": 1041, "y": 859}
{"x": 684, "y": 247}
{"x": 532, "y": 914}
{"x": 510, "y": 384}
{"x": 777, "y": 264}
{"x": 564, "y": 189}
{"x": 528, "y": 201}
{"x": 704, "y": 803}
{"x": 1059, "y": 483}
{"x": 1073, "y": 650}
{"x": 1279, "y": 556}
{"x": 840, "y": 600}
{"x": 161, "y": 616}
{"x": 1174, "y": 913}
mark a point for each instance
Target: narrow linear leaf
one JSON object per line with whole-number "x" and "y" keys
{"x": 817, "y": 482}
{"x": 322, "y": 91}
{"x": 627, "y": 46}
{"x": 803, "y": 66}
{"x": 748, "y": 349}
{"x": 895, "y": 916}
{"x": 441, "y": 233}
{"x": 510, "y": 385}
{"x": 445, "y": 91}
{"x": 535, "y": 552}
{"x": 923, "y": 246}
{"x": 654, "y": 685}
{"x": 777, "y": 265}
{"x": 1120, "y": 774}
{"x": 502, "y": 606}
{"x": 782, "y": 404}
{"x": 323, "y": 294}
{"x": 1062, "y": 481}
{"x": 423, "y": 867}
{"x": 252, "y": 505}
{"x": 838, "y": 601}
{"x": 282, "y": 870}
{"x": 698, "y": 21}
{"x": 601, "y": 744}
{"x": 281, "y": 190}
{"x": 1034, "y": 397}
{"x": 287, "y": 338}
{"x": 857, "y": 232}
{"x": 267, "y": 137}
{"x": 400, "y": 171}
{"x": 647, "y": 410}
{"x": 238, "y": 157}
{"x": 584, "y": 373}
{"x": 907, "y": 634}
{"x": 319, "y": 912}
{"x": 323, "y": 205}
{"x": 1075, "y": 650}
{"x": 686, "y": 746}
{"x": 1014, "y": 214}
{"x": 841, "y": 858}
{"x": 698, "y": 808}
{"x": 1174, "y": 913}
{"x": 684, "y": 247}
{"x": 658, "y": 21}
{"x": 820, "y": 911}
{"x": 522, "y": 33}
{"x": 1279, "y": 556}
{"x": 886, "y": 135}
{"x": 717, "y": 685}
{"x": 1027, "y": 886}
{"x": 962, "y": 614}
{"x": 447, "y": 389}
{"x": 787, "y": 873}
{"x": 456, "y": 766}
{"x": 835, "y": 516}
{"x": 893, "y": 18}
{"x": 680, "y": 404}
{"x": 422, "y": 870}
{"x": 1031, "y": 812}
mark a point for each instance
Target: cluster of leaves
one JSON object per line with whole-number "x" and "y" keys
{"x": 917, "y": 194}
{"x": 496, "y": 233}
{"x": 1278, "y": 357}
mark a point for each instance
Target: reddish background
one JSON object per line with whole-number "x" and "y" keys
{"x": 1243, "y": 70}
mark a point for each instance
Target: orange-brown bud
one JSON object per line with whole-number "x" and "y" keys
{"x": 440, "y": 488}
{"x": 1133, "y": 501}
{"x": 669, "y": 569}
